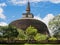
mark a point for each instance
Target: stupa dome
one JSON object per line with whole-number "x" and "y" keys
{"x": 25, "y": 23}
{"x": 27, "y": 20}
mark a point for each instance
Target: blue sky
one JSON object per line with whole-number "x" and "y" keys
{"x": 11, "y": 10}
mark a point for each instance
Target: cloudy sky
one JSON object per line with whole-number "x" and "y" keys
{"x": 43, "y": 10}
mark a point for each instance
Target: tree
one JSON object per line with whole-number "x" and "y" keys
{"x": 40, "y": 37}
{"x": 54, "y": 26}
{"x": 21, "y": 35}
{"x": 9, "y": 32}
{"x": 31, "y": 32}
{"x": 2, "y": 31}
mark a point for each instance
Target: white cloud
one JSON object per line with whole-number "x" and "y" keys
{"x": 20, "y": 2}
{"x": 2, "y": 4}
{"x": 48, "y": 18}
{"x": 2, "y": 16}
{"x": 35, "y": 0}
{"x": 37, "y": 17}
{"x": 3, "y": 24}
{"x": 1, "y": 10}
{"x": 55, "y": 1}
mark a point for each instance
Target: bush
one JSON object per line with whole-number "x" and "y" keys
{"x": 40, "y": 37}
{"x": 52, "y": 38}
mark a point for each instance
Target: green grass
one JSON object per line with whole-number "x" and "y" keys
{"x": 29, "y": 44}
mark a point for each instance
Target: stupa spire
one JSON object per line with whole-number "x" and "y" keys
{"x": 28, "y": 14}
{"x": 28, "y": 7}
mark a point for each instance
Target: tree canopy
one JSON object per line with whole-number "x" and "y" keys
{"x": 54, "y": 25}
{"x": 8, "y": 32}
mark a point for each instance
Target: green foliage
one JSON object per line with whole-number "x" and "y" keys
{"x": 55, "y": 21}
{"x": 22, "y": 35}
{"x": 40, "y": 37}
{"x": 52, "y": 38}
{"x": 2, "y": 30}
{"x": 40, "y": 44}
{"x": 9, "y": 32}
{"x": 31, "y": 31}
{"x": 54, "y": 26}
{"x": 28, "y": 34}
